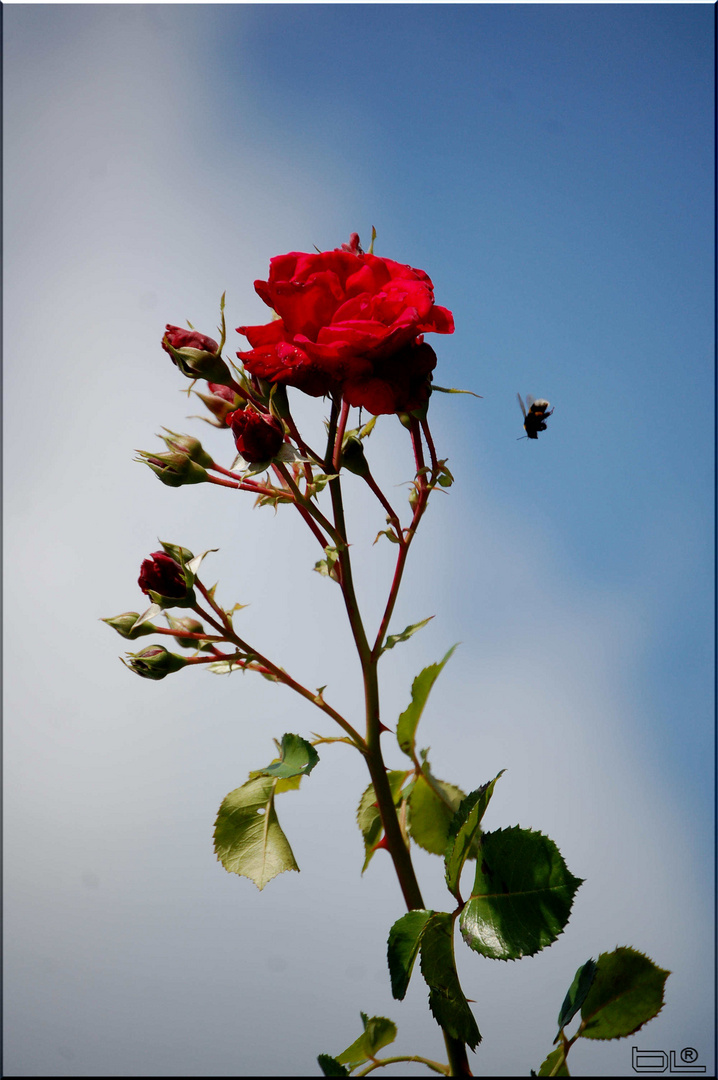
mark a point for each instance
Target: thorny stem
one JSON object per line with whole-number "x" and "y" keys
{"x": 393, "y": 516}
{"x": 278, "y": 673}
{"x": 304, "y": 503}
{"x": 393, "y": 836}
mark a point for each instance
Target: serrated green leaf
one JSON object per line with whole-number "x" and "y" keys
{"x": 464, "y": 830}
{"x": 368, "y": 816}
{"x": 576, "y": 994}
{"x": 555, "y": 1064}
{"x": 331, "y": 1067}
{"x": 297, "y": 758}
{"x": 394, "y": 639}
{"x": 626, "y": 992}
{"x": 432, "y": 805}
{"x": 522, "y": 895}
{"x": 448, "y": 1005}
{"x": 403, "y": 948}
{"x": 248, "y": 839}
{"x": 420, "y": 690}
{"x": 378, "y": 1032}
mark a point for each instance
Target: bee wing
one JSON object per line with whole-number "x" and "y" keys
{"x": 530, "y": 400}
{"x": 523, "y": 410}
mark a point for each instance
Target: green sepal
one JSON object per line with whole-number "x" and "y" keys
{"x": 420, "y": 690}
{"x": 576, "y": 995}
{"x": 626, "y": 992}
{"x": 522, "y": 895}
{"x": 330, "y": 1066}
{"x": 464, "y": 832}
{"x": 452, "y": 390}
{"x": 447, "y": 1003}
{"x": 297, "y": 758}
{"x": 248, "y": 839}
{"x": 189, "y": 445}
{"x": 378, "y": 1032}
{"x": 368, "y": 816}
{"x": 182, "y": 555}
{"x": 394, "y": 639}
{"x": 127, "y": 626}
{"x": 432, "y": 805}
{"x": 403, "y": 948}
{"x": 551, "y": 1066}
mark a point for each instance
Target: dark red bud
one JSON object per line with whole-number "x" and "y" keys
{"x": 161, "y": 574}
{"x": 188, "y": 339}
{"x": 258, "y": 437}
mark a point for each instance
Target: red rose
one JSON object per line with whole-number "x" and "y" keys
{"x": 188, "y": 339}
{"x": 349, "y": 324}
{"x": 162, "y": 574}
{"x": 256, "y": 436}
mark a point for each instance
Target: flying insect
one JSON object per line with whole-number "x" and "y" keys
{"x": 535, "y": 417}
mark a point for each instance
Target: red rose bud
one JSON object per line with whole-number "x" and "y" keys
{"x": 123, "y": 625}
{"x": 164, "y": 581}
{"x": 219, "y": 404}
{"x": 196, "y": 355}
{"x": 155, "y": 662}
{"x": 257, "y": 437}
{"x": 178, "y": 338}
{"x": 173, "y": 469}
{"x": 187, "y": 444}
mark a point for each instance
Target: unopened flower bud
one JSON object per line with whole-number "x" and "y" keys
{"x": 258, "y": 437}
{"x": 196, "y": 355}
{"x": 221, "y": 402}
{"x": 165, "y": 581}
{"x": 155, "y": 662}
{"x": 187, "y": 444}
{"x": 353, "y": 457}
{"x": 123, "y": 625}
{"x": 174, "y": 469}
{"x": 189, "y": 626}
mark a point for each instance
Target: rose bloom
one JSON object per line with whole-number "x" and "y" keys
{"x": 349, "y": 324}
{"x": 161, "y": 574}
{"x": 188, "y": 339}
{"x": 256, "y": 436}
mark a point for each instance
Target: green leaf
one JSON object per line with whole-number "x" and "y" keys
{"x": 522, "y": 895}
{"x": 248, "y": 839}
{"x": 403, "y": 947}
{"x": 378, "y": 1032}
{"x": 576, "y": 995}
{"x": 330, "y": 1066}
{"x": 368, "y": 816}
{"x": 327, "y": 567}
{"x": 464, "y": 830}
{"x": 420, "y": 690}
{"x": 551, "y": 1066}
{"x": 297, "y": 758}
{"x": 448, "y": 1005}
{"x": 627, "y": 992}
{"x": 432, "y": 805}
{"x": 394, "y": 639}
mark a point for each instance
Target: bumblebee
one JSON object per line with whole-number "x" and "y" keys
{"x": 538, "y": 411}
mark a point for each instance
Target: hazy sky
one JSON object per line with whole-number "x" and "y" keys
{"x": 551, "y": 168}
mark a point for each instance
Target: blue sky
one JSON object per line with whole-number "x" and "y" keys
{"x": 551, "y": 168}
